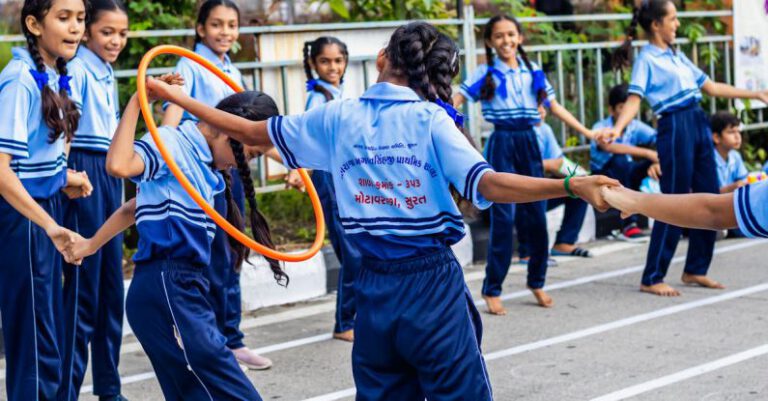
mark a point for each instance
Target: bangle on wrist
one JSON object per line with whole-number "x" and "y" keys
{"x": 567, "y": 184}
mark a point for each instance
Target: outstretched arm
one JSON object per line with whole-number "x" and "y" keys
{"x": 630, "y": 110}
{"x": 515, "y": 188}
{"x": 702, "y": 211}
{"x": 565, "y": 116}
{"x": 719, "y": 89}
{"x": 118, "y": 222}
{"x": 246, "y": 131}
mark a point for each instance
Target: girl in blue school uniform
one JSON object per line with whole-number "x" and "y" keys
{"x": 394, "y": 157}
{"x": 556, "y": 164}
{"x": 511, "y": 90}
{"x": 672, "y": 85}
{"x": 167, "y": 304}
{"x": 217, "y": 30}
{"x": 36, "y": 119}
{"x": 93, "y": 292}
{"x": 328, "y": 57}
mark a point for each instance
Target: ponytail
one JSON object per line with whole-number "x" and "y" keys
{"x": 645, "y": 15}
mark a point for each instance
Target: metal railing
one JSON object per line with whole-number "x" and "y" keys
{"x": 575, "y": 70}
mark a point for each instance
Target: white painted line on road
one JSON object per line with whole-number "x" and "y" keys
{"x": 334, "y": 396}
{"x": 124, "y": 380}
{"x": 479, "y": 302}
{"x": 684, "y": 374}
{"x": 595, "y": 329}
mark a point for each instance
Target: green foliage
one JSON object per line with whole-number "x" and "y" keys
{"x": 385, "y": 10}
{"x": 290, "y": 216}
{"x": 153, "y": 15}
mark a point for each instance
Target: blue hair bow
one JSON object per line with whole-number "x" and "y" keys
{"x": 501, "y": 89}
{"x": 457, "y": 117}
{"x": 311, "y": 84}
{"x": 539, "y": 84}
{"x": 64, "y": 83}
{"x": 41, "y": 78}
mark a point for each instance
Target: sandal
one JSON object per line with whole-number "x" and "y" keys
{"x": 579, "y": 252}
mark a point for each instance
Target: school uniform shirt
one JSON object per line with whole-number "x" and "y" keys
{"x": 203, "y": 85}
{"x": 637, "y": 133}
{"x": 514, "y": 103}
{"x": 41, "y": 166}
{"x": 95, "y": 95}
{"x": 548, "y": 145}
{"x": 667, "y": 79}
{"x": 392, "y": 170}
{"x": 315, "y": 98}
{"x": 750, "y": 204}
{"x": 170, "y": 224}
{"x": 731, "y": 170}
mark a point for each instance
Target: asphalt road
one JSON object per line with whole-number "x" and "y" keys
{"x": 603, "y": 339}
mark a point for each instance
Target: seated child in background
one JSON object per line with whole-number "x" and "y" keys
{"x": 731, "y": 171}
{"x": 556, "y": 164}
{"x": 624, "y": 159}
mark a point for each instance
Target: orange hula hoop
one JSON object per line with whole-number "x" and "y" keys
{"x": 146, "y": 112}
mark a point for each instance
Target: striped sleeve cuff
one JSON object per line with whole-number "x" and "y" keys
{"x": 464, "y": 90}
{"x": 151, "y": 163}
{"x": 275, "y": 130}
{"x": 636, "y": 90}
{"x": 14, "y": 148}
{"x": 701, "y": 80}
{"x": 470, "y": 185}
{"x": 551, "y": 94}
{"x": 745, "y": 216}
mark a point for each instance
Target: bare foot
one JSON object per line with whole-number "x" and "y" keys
{"x": 702, "y": 281}
{"x": 542, "y": 298}
{"x": 348, "y": 336}
{"x": 660, "y": 289}
{"x": 494, "y": 305}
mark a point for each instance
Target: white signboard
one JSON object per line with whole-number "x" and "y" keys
{"x": 750, "y": 46}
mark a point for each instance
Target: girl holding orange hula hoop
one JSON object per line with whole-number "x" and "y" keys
{"x": 166, "y": 304}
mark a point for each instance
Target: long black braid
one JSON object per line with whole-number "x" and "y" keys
{"x": 254, "y": 106}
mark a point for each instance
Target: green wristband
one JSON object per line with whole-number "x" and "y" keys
{"x": 567, "y": 184}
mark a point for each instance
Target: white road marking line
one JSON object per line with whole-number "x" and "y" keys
{"x": 643, "y": 317}
{"x": 684, "y": 374}
{"x": 285, "y": 316}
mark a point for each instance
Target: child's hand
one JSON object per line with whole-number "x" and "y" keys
{"x": 293, "y": 180}
{"x": 653, "y": 156}
{"x": 165, "y": 87}
{"x": 605, "y": 136}
{"x": 81, "y": 249}
{"x": 589, "y": 189}
{"x": 763, "y": 97}
{"x": 63, "y": 239}
{"x": 78, "y": 185}
{"x": 622, "y": 199}
{"x": 655, "y": 171}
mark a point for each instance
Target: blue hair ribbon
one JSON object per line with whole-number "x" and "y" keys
{"x": 64, "y": 83}
{"x": 539, "y": 84}
{"x": 41, "y": 78}
{"x": 311, "y": 84}
{"x": 501, "y": 89}
{"x": 457, "y": 117}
